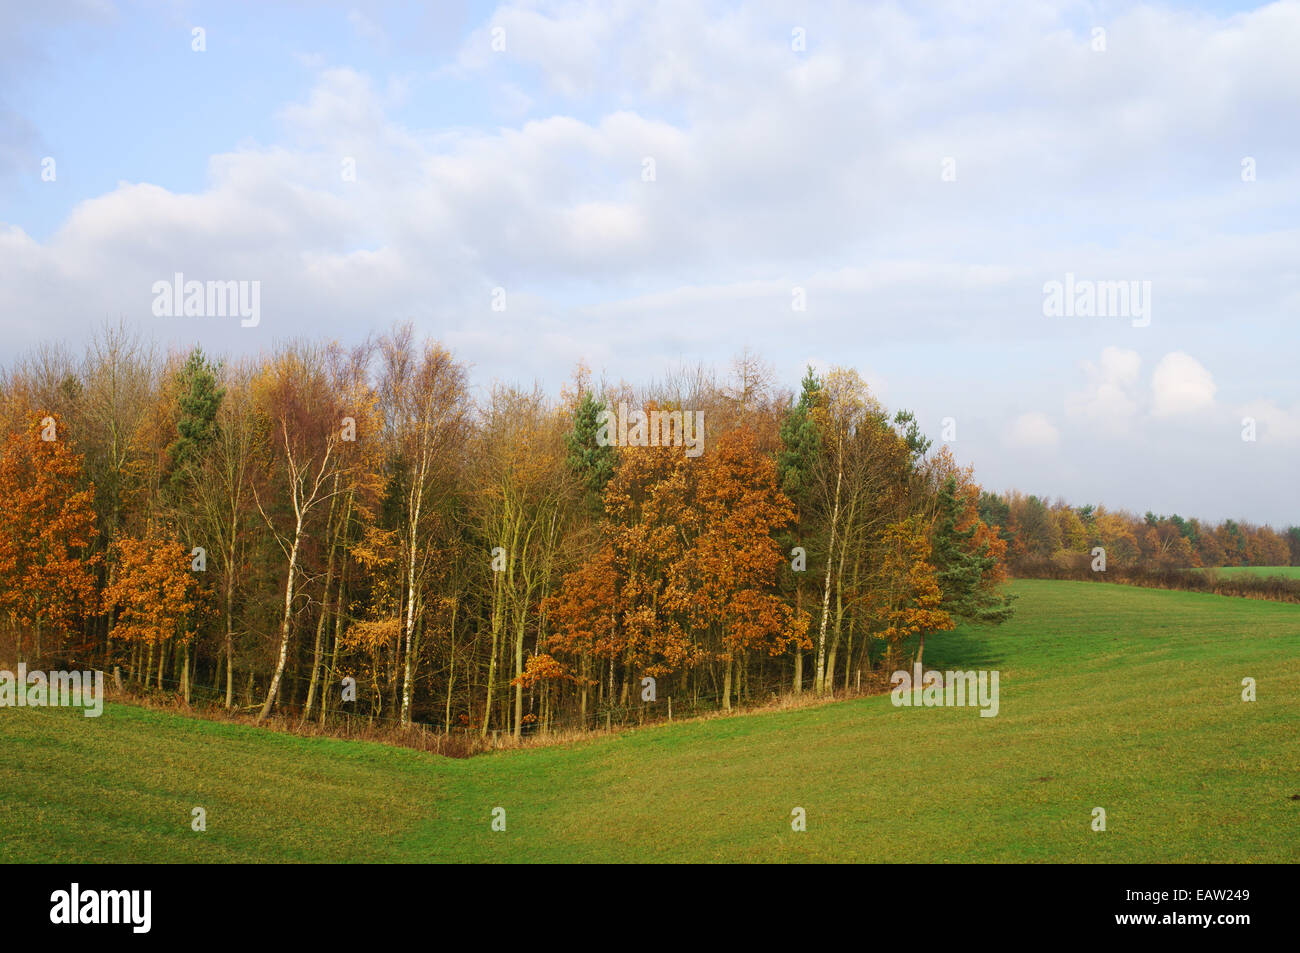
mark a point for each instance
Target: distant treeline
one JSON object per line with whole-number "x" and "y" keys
{"x": 1042, "y": 538}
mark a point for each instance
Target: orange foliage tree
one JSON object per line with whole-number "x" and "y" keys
{"x": 158, "y": 597}
{"x": 727, "y": 580}
{"x": 47, "y": 528}
{"x": 906, "y": 599}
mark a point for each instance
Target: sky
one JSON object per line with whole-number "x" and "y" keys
{"x": 641, "y": 186}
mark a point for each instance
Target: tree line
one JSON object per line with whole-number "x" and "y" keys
{"x": 1056, "y": 536}
{"x": 327, "y": 532}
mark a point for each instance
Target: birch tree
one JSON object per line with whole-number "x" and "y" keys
{"x": 424, "y": 402}
{"x": 305, "y": 420}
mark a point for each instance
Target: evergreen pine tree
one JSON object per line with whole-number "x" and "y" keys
{"x": 590, "y": 462}
{"x": 800, "y": 441}
{"x": 199, "y": 399}
{"x": 962, "y": 566}
{"x": 800, "y": 448}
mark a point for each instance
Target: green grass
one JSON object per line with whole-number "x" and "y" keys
{"x": 1286, "y": 572}
{"x": 1115, "y": 697}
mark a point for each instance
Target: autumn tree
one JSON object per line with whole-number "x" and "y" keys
{"x": 584, "y": 613}
{"x": 358, "y": 473}
{"x": 727, "y": 578}
{"x": 424, "y": 402}
{"x": 518, "y": 504}
{"x": 219, "y": 487}
{"x": 47, "y": 530}
{"x": 305, "y": 420}
{"x": 908, "y": 599}
{"x": 651, "y": 521}
{"x": 157, "y": 597}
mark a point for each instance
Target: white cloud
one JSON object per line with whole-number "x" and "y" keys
{"x": 774, "y": 170}
{"x": 1110, "y": 396}
{"x": 1274, "y": 423}
{"x": 1181, "y": 385}
{"x": 1032, "y": 431}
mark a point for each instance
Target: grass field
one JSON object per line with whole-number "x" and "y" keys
{"x": 1115, "y": 697}
{"x": 1286, "y": 572}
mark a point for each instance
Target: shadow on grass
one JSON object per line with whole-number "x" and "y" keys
{"x": 965, "y": 649}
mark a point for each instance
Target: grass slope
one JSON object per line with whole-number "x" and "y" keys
{"x": 1286, "y": 572}
{"x": 1123, "y": 698}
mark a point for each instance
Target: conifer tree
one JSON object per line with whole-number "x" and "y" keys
{"x": 800, "y": 449}
{"x": 966, "y": 565}
{"x": 198, "y": 400}
{"x": 590, "y": 462}
{"x": 800, "y": 440}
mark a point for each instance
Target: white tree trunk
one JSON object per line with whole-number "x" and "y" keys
{"x": 285, "y": 627}
{"x": 819, "y": 685}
